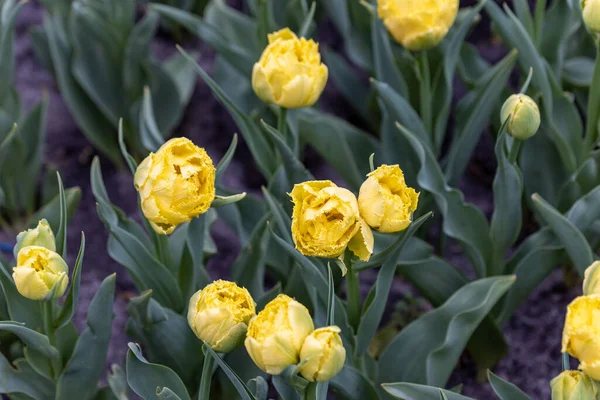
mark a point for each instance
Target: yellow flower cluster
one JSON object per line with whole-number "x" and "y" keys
{"x": 223, "y": 316}
{"x": 327, "y": 219}
{"x": 581, "y": 334}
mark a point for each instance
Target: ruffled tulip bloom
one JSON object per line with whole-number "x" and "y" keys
{"x": 323, "y": 354}
{"x": 219, "y": 315}
{"x": 290, "y": 72}
{"x": 39, "y": 271}
{"x": 176, "y": 184}
{"x": 418, "y": 24}
{"x": 524, "y": 116}
{"x": 41, "y": 235}
{"x": 385, "y": 201}
{"x": 581, "y": 334}
{"x": 326, "y": 221}
{"x": 276, "y": 335}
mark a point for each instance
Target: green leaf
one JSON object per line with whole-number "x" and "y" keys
{"x": 150, "y": 135}
{"x": 61, "y": 234}
{"x": 248, "y": 270}
{"x": 593, "y": 113}
{"x": 182, "y": 75}
{"x": 412, "y": 391}
{"x": 23, "y": 379}
{"x": 34, "y": 340}
{"x": 574, "y": 241}
{"x": 427, "y": 349}
{"x": 374, "y": 310}
{"x": 70, "y": 305}
{"x": 51, "y": 210}
{"x": 193, "y": 275}
{"x": 226, "y": 160}
{"x": 129, "y": 160}
{"x": 384, "y": 61}
{"x": 117, "y": 381}
{"x": 579, "y": 71}
{"x": 10, "y": 10}
{"x": 506, "y": 390}
{"x": 462, "y": 221}
{"x": 147, "y": 379}
{"x": 352, "y": 384}
{"x": 330, "y": 297}
{"x": 241, "y": 387}
{"x": 86, "y": 366}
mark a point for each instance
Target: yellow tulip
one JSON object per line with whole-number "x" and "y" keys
{"x": 290, "y": 72}
{"x": 418, "y": 24}
{"x": 524, "y": 116}
{"x": 323, "y": 354}
{"x": 219, "y": 315}
{"x": 384, "y": 200}
{"x": 38, "y": 271}
{"x": 326, "y": 220}
{"x": 41, "y": 235}
{"x": 275, "y": 336}
{"x": 176, "y": 184}
{"x": 591, "y": 14}
{"x": 581, "y": 334}
{"x": 591, "y": 281}
{"x": 573, "y": 385}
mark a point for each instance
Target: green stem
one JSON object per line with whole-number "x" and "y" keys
{"x": 162, "y": 249}
{"x": 593, "y": 114}
{"x": 515, "y": 150}
{"x": 566, "y": 362}
{"x": 425, "y": 92}
{"x": 352, "y": 292}
{"x": 206, "y": 380}
{"x": 48, "y": 316}
{"x": 282, "y": 122}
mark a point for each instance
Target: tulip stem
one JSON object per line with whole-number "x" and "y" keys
{"x": 425, "y": 92}
{"x": 515, "y": 150}
{"x": 206, "y": 380}
{"x": 282, "y": 122}
{"x": 48, "y": 317}
{"x": 352, "y": 292}
{"x": 566, "y": 362}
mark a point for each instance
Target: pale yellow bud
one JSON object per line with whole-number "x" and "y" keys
{"x": 290, "y": 72}
{"x": 276, "y": 335}
{"x": 591, "y": 280}
{"x": 41, "y": 235}
{"x": 524, "y": 116}
{"x": 323, "y": 354}
{"x": 38, "y": 271}
{"x": 219, "y": 315}
{"x": 591, "y": 14}
{"x": 573, "y": 385}
{"x": 176, "y": 184}
{"x": 385, "y": 201}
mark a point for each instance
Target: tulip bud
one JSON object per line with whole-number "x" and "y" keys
{"x": 591, "y": 15}
{"x": 524, "y": 116}
{"x": 418, "y": 24}
{"x": 277, "y": 333}
{"x": 573, "y": 385}
{"x": 176, "y": 184}
{"x": 323, "y": 354}
{"x": 591, "y": 280}
{"x": 385, "y": 202}
{"x": 41, "y": 235}
{"x": 219, "y": 315}
{"x": 581, "y": 334}
{"x": 290, "y": 72}
{"x": 38, "y": 271}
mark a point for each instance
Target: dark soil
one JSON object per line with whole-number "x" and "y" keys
{"x": 534, "y": 333}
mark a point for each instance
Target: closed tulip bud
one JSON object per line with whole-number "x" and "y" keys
{"x": 581, "y": 334}
{"x": 290, "y": 72}
{"x": 418, "y": 24}
{"x": 385, "y": 201}
{"x": 524, "y": 116}
{"x": 591, "y": 280}
{"x": 176, "y": 184}
{"x": 276, "y": 335}
{"x": 39, "y": 271}
{"x": 323, "y": 354}
{"x": 41, "y": 235}
{"x": 326, "y": 220}
{"x": 573, "y": 385}
{"x": 591, "y": 15}
{"x": 219, "y": 315}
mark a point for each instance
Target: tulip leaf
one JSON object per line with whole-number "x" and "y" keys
{"x": 384, "y": 61}
{"x": 148, "y": 379}
{"x": 221, "y": 201}
{"x": 574, "y": 241}
{"x": 351, "y": 384}
{"x": 70, "y": 305}
{"x": 506, "y": 390}
{"x": 129, "y": 160}
{"x": 226, "y": 160}
{"x": 316, "y": 390}
{"x": 61, "y": 234}
{"x": 285, "y": 391}
{"x": 283, "y": 222}
{"x": 150, "y": 135}
{"x": 330, "y": 297}
{"x": 51, "y": 210}
{"x": 117, "y": 381}
{"x": 461, "y": 221}
{"x": 10, "y": 10}
{"x": 195, "y": 274}
{"x": 413, "y": 391}
{"x": 239, "y": 384}
{"x": 248, "y": 270}
{"x": 21, "y": 378}
{"x": 86, "y": 366}
{"x": 166, "y": 394}
{"x": 374, "y": 309}
{"x": 430, "y": 346}
{"x": 34, "y": 340}
{"x": 579, "y": 71}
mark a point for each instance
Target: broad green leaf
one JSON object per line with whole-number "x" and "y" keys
{"x": 166, "y": 394}
{"x": 593, "y": 109}
{"x": 69, "y": 306}
{"x": 86, "y": 366}
{"x": 412, "y": 391}
{"x": 183, "y": 76}
{"x": 248, "y": 270}
{"x": 193, "y": 275}
{"x": 117, "y": 381}
{"x": 34, "y": 340}
{"x": 51, "y": 210}
{"x": 579, "y": 71}
{"x": 10, "y": 10}
{"x": 147, "y": 379}
{"x": 427, "y": 349}
{"x": 239, "y": 384}
{"x": 574, "y": 241}
{"x": 351, "y": 384}
{"x": 461, "y": 221}
{"x": 21, "y": 378}
{"x": 384, "y": 61}
{"x": 506, "y": 390}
